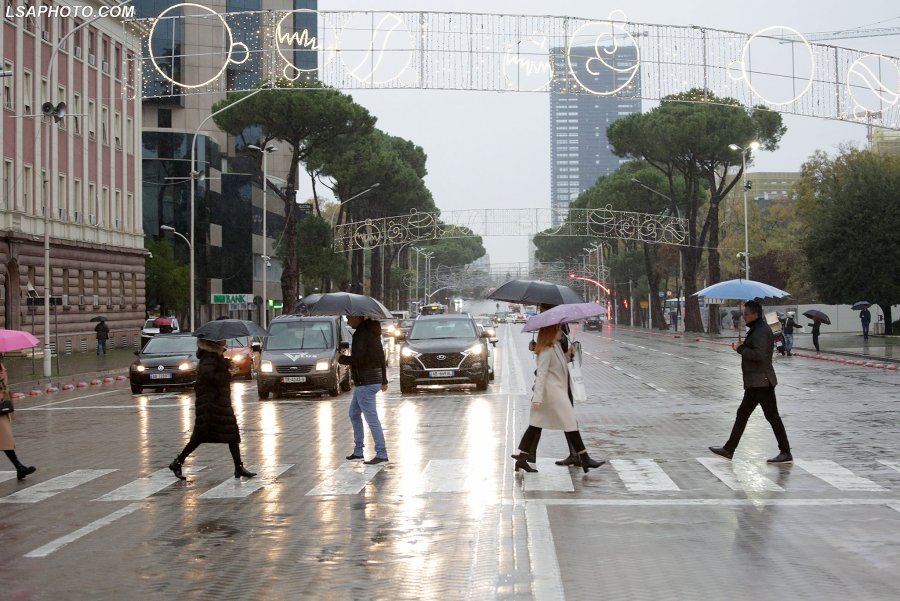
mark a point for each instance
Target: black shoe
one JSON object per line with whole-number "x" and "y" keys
{"x": 722, "y": 452}
{"x": 532, "y": 458}
{"x": 781, "y": 458}
{"x": 522, "y": 464}
{"x": 570, "y": 460}
{"x": 353, "y": 457}
{"x": 175, "y": 466}
{"x": 241, "y": 472}
{"x": 23, "y": 471}
{"x": 588, "y": 463}
{"x": 376, "y": 460}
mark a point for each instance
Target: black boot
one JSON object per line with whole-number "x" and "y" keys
{"x": 241, "y": 471}
{"x": 588, "y": 463}
{"x": 24, "y": 470}
{"x": 175, "y": 466}
{"x": 522, "y": 464}
{"x": 572, "y": 459}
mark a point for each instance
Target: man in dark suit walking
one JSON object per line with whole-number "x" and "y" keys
{"x": 759, "y": 385}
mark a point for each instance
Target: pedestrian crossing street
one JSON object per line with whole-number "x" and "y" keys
{"x": 626, "y": 476}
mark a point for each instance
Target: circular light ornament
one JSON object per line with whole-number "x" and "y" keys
{"x": 229, "y": 50}
{"x": 527, "y": 66}
{"x": 775, "y": 59}
{"x": 376, "y": 52}
{"x": 606, "y": 38}
{"x": 288, "y": 41}
{"x": 873, "y": 82}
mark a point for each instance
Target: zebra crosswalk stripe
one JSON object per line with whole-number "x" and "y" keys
{"x": 641, "y": 475}
{"x": 738, "y": 475}
{"x": 549, "y": 478}
{"x": 836, "y": 475}
{"x": 348, "y": 479}
{"x": 140, "y": 489}
{"x": 54, "y": 486}
{"x": 237, "y": 488}
{"x": 4, "y": 476}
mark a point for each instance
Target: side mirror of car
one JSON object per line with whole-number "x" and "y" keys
{"x": 344, "y": 345}
{"x": 494, "y": 341}
{"x": 484, "y": 335}
{"x": 256, "y": 347}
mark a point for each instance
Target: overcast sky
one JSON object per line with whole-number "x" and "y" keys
{"x": 487, "y": 149}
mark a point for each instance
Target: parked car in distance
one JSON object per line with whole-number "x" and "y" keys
{"x": 488, "y": 324}
{"x": 500, "y": 317}
{"x": 444, "y": 349}
{"x": 243, "y": 356}
{"x": 490, "y": 349}
{"x": 166, "y": 361}
{"x": 519, "y": 318}
{"x": 593, "y": 323}
{"x": 403, "y": 327}
{"x": 150, "y": 330}
{"x": 300, "y": 355}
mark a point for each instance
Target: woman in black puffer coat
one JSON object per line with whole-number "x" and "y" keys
{"x": 214, "y": 419}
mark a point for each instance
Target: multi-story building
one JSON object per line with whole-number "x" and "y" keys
{"x": 886, "y": 141}
{"x": 579, "y": 148}
{"x": 72, "y": 175}
{"x": 228, "y": 195}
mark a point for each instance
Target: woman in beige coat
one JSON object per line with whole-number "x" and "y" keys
{"x": 550, "y": 406}
{"x": 7, "y": 442}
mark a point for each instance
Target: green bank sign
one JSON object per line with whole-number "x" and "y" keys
{"x": 228, "y": 299}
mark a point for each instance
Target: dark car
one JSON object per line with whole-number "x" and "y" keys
{"x": 166, "y": 361}
{"x": 593, "y": 323}
{"x": 300, "y": 355}
{"x": 444, "y": 349}
{"x": 403, "y": 328}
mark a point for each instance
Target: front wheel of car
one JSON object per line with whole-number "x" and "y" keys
{"x": 345, "y": 383}
{"x": 263, "y": 391}
{"x": 406, "y": 386}
{"x": 336, "y": 381}
{"x": 136, "y": 389}
{"x": 482, "y": 382}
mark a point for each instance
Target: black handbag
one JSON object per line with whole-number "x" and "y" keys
{"x": 6, "y": 406}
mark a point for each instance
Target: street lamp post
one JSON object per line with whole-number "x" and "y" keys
{"x": 265, "y": 250}
{"x": 427, "y": 255}
{"x": 355, "y": 196}
{"x": 744, "y": 151}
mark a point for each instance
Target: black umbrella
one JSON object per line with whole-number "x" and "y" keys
{"x": 817, "y": 315}
{"x": 343, "y": 303}
{"x": 535, "y": 292}
{"x": 221, "y": 329}
{"x": 860, "y": 305}
{"x": 100, "y": 318}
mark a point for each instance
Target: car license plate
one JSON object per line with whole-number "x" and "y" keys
{"x": 161, "y": 376}
{"x": 441, "y": 373}
{"x": 293, "y": 379}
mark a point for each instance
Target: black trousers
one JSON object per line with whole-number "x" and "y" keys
{"x": 192, "y": 445}
{"x": 816, "y": 341}
{"x": 532, "y": 436}
{"x": 764, "y": 397}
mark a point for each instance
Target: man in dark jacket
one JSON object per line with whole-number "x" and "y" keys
{"x": 369, "y": 373}
{"x": 790, "y": 324}
{"x": 102, "y": 336}
{"x": 759, "y": 385}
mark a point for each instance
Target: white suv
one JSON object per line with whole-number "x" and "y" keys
{"x": 149, "y": 330}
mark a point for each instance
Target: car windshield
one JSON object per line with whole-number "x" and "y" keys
{"x": 239, "y": 342}
{"x": 406, "y": 323}
{"x": 442, "y": 328}
{"x": 161, "y": 345}
{"x": 149, "y": 324}
{"x": 300, "y": 335}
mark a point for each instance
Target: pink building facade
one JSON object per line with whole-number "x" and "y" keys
{"x": 85, "y": 169}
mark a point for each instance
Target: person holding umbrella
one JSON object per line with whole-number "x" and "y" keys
{"x": 865, "y": 317}
{"x": 550, "y": 405}
{"x": 7, "y": 442}
{"x": 214, "y": 419}
{"x": 818, "y": 318}
{"x": 102, "y": 331}
{"x": 759, "y": 384}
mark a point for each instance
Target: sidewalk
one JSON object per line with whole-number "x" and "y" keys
{"x": 77, "y": 367}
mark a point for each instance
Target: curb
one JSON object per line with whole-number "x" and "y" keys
{"x": 846, "y": 361}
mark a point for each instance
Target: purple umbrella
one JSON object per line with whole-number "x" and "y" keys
{"x": 563, "y": 314}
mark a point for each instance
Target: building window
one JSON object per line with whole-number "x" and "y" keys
{"x": 62, "y": 198}
{"x": 11, "y": 10}
{"x": 104, "y": 125}
{"x": 92, "y": 120}
{"x": 104, "y": 55}
{"x": 8, "y": 201}
{"x": 78, "y": 208}
{"x": 92, "y": 54}
{"x": 46, "y": 23}
{"x": 8, "y": 87}
{"x": 76, "y": 116}
{"x": 27, "y": 188}
{"x": 117, "y": 130}
{"x": 92, "y": 203}
{"x": 104, "y": 204}
{"x": 129, "y": 135}
{"x": 76, "y": 39}
{"x": 118, "y": 62}
{"x": 29, "y": 18}
{"x": 63, "y": 30}
{"x": 117, "y": 197}
{"x": 129, "y": 208}
{"x": 164, "y": 118}
{"x": 27, "y": 92}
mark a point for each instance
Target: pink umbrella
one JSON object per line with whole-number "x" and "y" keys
{"x": 162, "y": 321}
{"x": 563, "y": 314}
{"x": 14, "y": 340}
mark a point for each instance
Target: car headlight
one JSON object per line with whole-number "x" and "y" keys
{"x": 237, "y": 358}
{"x": 184, "y": 366}
{"x": 408, "y": 352}
{"x": 323, "y": 365}
{"x": 265, "y": 367}
{"x": 475, "y": 350}
{"x": 139, "y": 368}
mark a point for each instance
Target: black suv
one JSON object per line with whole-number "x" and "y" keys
{"x": 300, "y": 355}
{"x": 593, "y": 323}
{"x": 444, "y": 349}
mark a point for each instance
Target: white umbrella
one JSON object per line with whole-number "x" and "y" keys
{"x": 739, "y": 290}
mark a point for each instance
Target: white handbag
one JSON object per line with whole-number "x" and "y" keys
{"x": 576, "y": 379}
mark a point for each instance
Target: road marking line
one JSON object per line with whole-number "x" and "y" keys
{"x": 751, "y": 502}
{"x": 700, "y": 362}
{"x": 78, "y": 398}
{"x": 238, "y": 488}
{"x": 348, "y": 479}
{"x": 140, "y": 489}
{"x": 605, "y": 362}
{"x": 54, "y": 486}
{"x": 838, "y": 476}
{"x": 546, "y": 582}
{"x": 894, "y": 465}
{"x": 135, "y": 407}
{"x": 549, "y": 478}
{"x": 738, "y": 475}
{"x": 444, "y": 475}
{"x": 632, "y": 376}
{"x": 617, "y": 368}
{"x": 655, "y": 387}
{"x": 84, "y": 531}
{"x": 4, "y": 476}
{"x": 894, "y": 506}
{"x": 642, "y": 475}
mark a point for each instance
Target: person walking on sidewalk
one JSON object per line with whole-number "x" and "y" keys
{"x": 102, "y": 336}
{"x": 551, "y": 406}
{"x": 369, "y": 372}
{"x": 759, "y": 385}
{"x": 7, "y": 442}
{"x": 815, "y": 325}
{"x": 214, "y": 419}
{"x": 865, "y": 317}
{"x": 790, "y": 324}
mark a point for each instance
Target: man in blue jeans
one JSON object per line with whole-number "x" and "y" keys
{"x": 369, "y": 372}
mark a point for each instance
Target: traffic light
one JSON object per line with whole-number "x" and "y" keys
{"x": 571, "y": 276}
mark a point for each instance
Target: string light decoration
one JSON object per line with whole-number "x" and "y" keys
{"x": 423, "y": 226}
{"x": 774, "y": 67}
